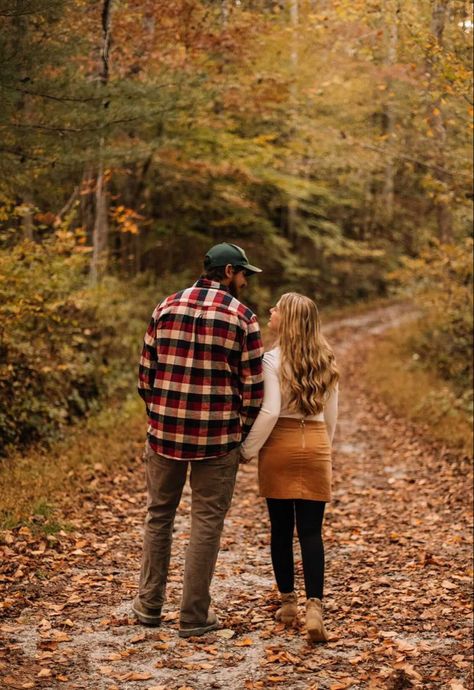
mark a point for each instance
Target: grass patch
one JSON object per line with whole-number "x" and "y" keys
{"x": 32, "y": 484}
{"x": 412, "y": 390}
{"x": 43, "y": 509}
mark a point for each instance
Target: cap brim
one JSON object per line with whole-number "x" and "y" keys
{"x": 252, "y": 269}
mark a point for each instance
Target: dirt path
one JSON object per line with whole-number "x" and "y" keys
{"x": 398, "y": 542}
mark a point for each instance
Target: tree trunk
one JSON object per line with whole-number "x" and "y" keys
{"x": 17, "y": 40}
{"x": 87, "y": 202}
{"x": 294, "y": 20}
{"x": 443, "y": 213}
{"x": 224, "y": 12}
{"x": 101, "y": 226}
{"x": 392, "y": 11}
{"x": 438, "y": 19}
{"x": 100, "y": 234}
{"x": 292, "y": 217}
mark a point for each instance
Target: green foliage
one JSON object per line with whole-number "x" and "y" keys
{"x": 63, "y": 345}
{"x": 46, "y": 375}
{"x": 318, "y": 142}
{"x": 443, "y": 280}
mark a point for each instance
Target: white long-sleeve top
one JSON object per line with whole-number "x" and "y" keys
{"x": 275, "y": 405}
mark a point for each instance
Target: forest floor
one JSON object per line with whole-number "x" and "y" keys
{"x": 398, "y": 538}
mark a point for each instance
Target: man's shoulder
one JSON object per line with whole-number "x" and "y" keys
{"x": 240, "y": 309}
{"x": 223, "y": 301}
{"x": 165, "y": 302}
{"x": 200, "y": 297}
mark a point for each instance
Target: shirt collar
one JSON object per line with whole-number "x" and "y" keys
{"x": 210, "y": 284}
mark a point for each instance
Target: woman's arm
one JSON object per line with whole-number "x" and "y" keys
{"x": 269, "y": 412}
{"x": 330, "y": 412}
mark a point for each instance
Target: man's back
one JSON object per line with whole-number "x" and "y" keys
{"x": 200, "y": 372}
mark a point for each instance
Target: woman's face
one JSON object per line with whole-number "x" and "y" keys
{"x": 275, "y": 318}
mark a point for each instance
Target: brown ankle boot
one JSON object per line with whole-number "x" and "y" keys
{"x": 289, "y": 608}
{"x": 314, "y": 620}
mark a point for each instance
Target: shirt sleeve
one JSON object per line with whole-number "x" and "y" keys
{"x": 148, "y": 364}
{"x": 251, "y": 376}
{"x": 330, "y": 412}
{"x": 269, "y": 412}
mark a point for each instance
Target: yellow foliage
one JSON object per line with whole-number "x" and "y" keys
{"x": 410, "y": 388}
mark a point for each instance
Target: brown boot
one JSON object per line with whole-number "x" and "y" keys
{"x": 314, "y": 620}
{"x": 289, "y": 608}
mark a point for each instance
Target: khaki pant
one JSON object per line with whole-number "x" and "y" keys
{"x": 212, "y": 485}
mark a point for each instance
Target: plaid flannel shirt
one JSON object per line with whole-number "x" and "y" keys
{"x": 200, "y": 373}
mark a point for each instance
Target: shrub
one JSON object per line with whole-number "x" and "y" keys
{"x": 413, "y": 390}
{"x": 63, "y": 344}
{"x": 442, "y": 278}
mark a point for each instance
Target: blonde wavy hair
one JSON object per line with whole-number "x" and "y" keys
{"x": 308, "y": 369}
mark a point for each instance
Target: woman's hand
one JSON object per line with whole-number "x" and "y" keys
{"x": 245, "y": 461}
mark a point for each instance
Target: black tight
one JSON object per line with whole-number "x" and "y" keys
{"x": 309, "y": 519}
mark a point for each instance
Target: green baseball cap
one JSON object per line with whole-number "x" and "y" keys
{"x": 226, "y": 253}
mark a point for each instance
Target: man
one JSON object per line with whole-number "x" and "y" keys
{"x": 201, "y": 379}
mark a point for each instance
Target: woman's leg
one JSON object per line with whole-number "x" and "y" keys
{"x": 282, "y": 519}
{"x": 309, "y": 521}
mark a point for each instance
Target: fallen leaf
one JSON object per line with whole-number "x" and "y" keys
{"x": 135, "y": 676}
{"x": 408, "y": 669}
{"x": 60, "y": 636}
{"x": 138, "y": 638}
{"x": 106, "y": 670}
{"x": 447, "y": 584}
{"x": 405, "y": 646}
{"x": 343, "y": 684}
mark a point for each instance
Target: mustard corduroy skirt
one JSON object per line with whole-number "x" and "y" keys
{"x": 295, "y": 462}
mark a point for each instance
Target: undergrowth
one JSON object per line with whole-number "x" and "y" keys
{"x": 412, "y": 388}
{"x": 31, "y": 484}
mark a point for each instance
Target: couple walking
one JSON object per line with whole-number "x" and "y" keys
{"x": 213, "y": 399}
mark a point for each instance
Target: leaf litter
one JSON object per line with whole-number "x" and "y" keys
{"x": 398, "y": 538}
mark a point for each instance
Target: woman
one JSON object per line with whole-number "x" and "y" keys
{"x": 294, "y": 432}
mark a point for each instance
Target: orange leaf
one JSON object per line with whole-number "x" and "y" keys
{"x": 276, "y": 679}
{"x": 138, "y": 638}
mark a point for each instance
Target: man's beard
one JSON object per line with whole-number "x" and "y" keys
{"x": 234, "y": 290}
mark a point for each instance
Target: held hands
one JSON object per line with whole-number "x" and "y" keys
{"x": 245, "y": 461}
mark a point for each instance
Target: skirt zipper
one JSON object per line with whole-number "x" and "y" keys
{"x": 303, "y": 439}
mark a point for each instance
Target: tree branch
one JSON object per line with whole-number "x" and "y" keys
{"x": 55, "y": 98}
{"x": 29, "y": 12}
{"x": 68, "y": 205}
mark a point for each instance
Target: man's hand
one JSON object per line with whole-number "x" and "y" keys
{"x": 245, "y": 461}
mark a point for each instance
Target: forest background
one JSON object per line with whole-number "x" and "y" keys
{"x": 331, "y": 139}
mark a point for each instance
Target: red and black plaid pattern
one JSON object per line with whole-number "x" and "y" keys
{"x": 200, "y": 373}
